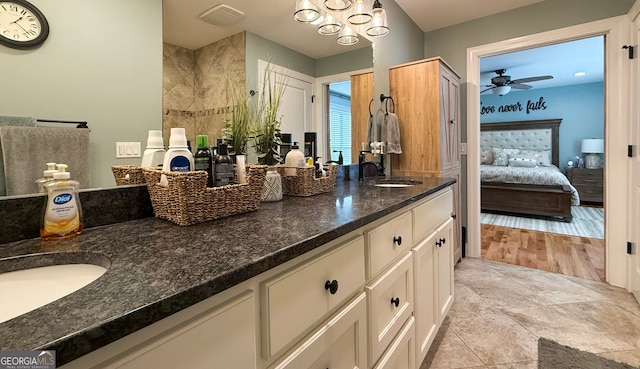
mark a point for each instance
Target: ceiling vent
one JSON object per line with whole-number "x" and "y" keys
{"x": 221, "y": 15}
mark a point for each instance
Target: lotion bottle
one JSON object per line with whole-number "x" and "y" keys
{"x": 203, "y": 158}
{"x": 63, "y": 213}
{"x": 294, "y": 158}
{"x": 153, "y": 155}
{"x": 178, "y": 158}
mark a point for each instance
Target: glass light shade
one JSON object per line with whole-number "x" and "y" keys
{"x": 330, "y": 26}
{"x": 501, "y": 90}
{"x": 361, "y": 13}
{"x": 306, "y": 11}
{"x": 338, "y": 5}
{"x": 378, "y": 26}
{"x": 347, "y": 36}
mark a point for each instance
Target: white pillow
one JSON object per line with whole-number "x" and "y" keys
{"x": 526, "y": 162}
{"x": 501, "y": 156}
{"x": 486, "y": 157}
{"x": 543, "y": 156}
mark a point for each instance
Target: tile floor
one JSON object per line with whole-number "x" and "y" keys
{"x": 500, "y": 310}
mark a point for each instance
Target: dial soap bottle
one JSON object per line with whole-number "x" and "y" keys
{"x": 63, "y": 214}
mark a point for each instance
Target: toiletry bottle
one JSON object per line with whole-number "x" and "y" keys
{"x": 223, "y": 167}
{"x": 178, "y": 158}
{"x": 294, "y": 158}
{"x": 319, "y": 169}
{"x": 202, "y": 159}
{"x": 153, "y": 155}
{"x": 63, "y": 213}
{"x": 47, "y": 176}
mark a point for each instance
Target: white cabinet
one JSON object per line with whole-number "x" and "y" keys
{"x": 425, "y": 301}
{"x": 292, "y": 302}
{"x": 446, "y": 244}
{"x": 401, "y": 352}
{"x": 340, "y": 343}
{"x": 387, "y": 242}
{"x": 390, "y": 302}
{"x": 223, "y": 336}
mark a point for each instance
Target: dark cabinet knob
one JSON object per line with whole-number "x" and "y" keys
{"x": 332, "y": 286}
{"x": 395, "y": 301}
{"x": 397, "y": 240}
{"x": 439, "y": 243}
{"x": 443, "y": 241}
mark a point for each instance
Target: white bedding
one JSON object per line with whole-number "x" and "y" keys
{"x": 550, "y": 175}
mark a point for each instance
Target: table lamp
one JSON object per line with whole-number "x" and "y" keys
{"x": 593, "y": 147}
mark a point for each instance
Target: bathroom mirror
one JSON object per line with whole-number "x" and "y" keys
{"x": 108, "y": 76}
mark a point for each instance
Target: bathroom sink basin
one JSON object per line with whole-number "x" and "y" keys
{"x": 394, "y": 182}
{"x": 26, "y": 285}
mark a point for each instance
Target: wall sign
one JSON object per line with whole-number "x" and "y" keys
{"x": 508, "y": 108}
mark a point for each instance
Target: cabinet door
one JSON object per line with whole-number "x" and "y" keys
{"x": 449, "y": 120}
{"x": 338, "y": 344}
{"x": 401, "y": 352}
{"x": 293, "y": 302}
{"x": 426, "y": 307}
{"x": 445, "y": 243}
{"x": 226, "y": 335}
{"x": 390, "y": 301}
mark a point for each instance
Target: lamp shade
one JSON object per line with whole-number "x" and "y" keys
{"x": 306, "y": 11}
{"x": 592, "y": 146}
{"x": 501, "y": 90}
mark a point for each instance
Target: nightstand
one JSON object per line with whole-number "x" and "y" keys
{"x": 588, "y": 182}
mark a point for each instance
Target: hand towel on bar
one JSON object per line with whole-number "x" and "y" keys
{"x": 25, "y": 151}
{"x": 392, "y": 134}
{"x": 6, "y": 120}
{"x": 369, "y": 132}
{"x": 375, "y": 127}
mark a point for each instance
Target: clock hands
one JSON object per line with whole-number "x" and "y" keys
{"x": 18, "y": 20}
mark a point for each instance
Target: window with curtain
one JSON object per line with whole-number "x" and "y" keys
{"x": 340, "y": 122}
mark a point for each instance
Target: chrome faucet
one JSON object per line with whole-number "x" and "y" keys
{"x": 362, "y": 163}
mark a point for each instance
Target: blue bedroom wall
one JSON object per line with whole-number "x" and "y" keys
{"x": 581, "y": 108}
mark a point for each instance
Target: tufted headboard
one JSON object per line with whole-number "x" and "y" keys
{"x": 526, "y": 134}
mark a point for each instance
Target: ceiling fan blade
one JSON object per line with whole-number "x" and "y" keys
{"x": 490, "y": 88}
{"x": 520, "y": 86}
{"x": 530, "y": 79}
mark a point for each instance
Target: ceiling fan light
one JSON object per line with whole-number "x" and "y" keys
{"x": 330, "y": 26}
{"x": 361, "y": 13}
{"x": 378, "y": 26}
{"x": 347, "y": 36}
{"x": 306, "y": 11}
{"x": 338, "y": 5}
{"x": 501, "y": 90}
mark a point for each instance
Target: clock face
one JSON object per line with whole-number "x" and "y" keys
{"x": 22, "y": 25}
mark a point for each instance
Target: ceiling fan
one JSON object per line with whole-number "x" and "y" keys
{"x": 502, "y": 84}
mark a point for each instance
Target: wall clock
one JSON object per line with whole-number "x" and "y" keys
{"x": 22, "y": 25}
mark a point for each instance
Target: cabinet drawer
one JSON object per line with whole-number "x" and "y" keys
{"x": 400, "y": 353}
{"x": 428, "y": 216}
{"x": 387, "y": 242}
{"x": 594, "y": 174}
{"x": 390, "y": 302}
{"x": 340, "y": 343}
{"x": 294, "y": 301}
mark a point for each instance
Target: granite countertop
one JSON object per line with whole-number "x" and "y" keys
{"x": 157, "y": 268}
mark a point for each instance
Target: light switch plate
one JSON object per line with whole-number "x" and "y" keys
{"x": 463, "y": 148}
{"x": 127, "y": 150}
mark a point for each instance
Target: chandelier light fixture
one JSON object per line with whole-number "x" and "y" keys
{"x": 362, "y": 16}
{"x": 306, "y": 11}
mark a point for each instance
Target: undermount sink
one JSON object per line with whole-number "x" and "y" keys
{"x": 25, "y": 284}
{"x": 394, "y": 182}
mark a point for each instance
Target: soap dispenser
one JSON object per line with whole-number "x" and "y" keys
{"x": 63, "y": 213}
{"x": 153, "y": 155}
{"x": 294, "y": 158}
{"x": 47, "y": 176}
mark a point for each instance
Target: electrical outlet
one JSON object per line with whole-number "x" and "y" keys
{"x": 463, "y": 148}
{"x": 127, "y": 150}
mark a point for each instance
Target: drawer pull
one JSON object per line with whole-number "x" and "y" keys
{"x": 395, "y": 301}
{"x": 398, "y": 240}
{"x": 332, "y": 286}
{"x": 441, "y": 242}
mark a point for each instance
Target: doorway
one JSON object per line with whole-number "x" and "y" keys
{"x": 563, "y": 82}
{"x": 616, "y": 116}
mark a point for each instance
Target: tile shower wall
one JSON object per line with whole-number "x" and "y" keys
{"x": 196, "y": 86}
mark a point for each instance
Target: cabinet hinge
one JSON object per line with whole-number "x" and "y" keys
{"x": 629, "y": 248}
{"x": 630, "y": 48}
{"x": 630, "y": 151}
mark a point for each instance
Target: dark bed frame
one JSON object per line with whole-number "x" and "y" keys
{"x": 552, "y": 202}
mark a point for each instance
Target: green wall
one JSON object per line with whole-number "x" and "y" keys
{"x": 102, "y": 63}
{"x": 357, "y": 59}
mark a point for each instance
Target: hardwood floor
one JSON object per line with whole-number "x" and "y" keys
{"x": 570, "y": 255}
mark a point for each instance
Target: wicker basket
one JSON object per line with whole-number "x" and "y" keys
{"x": 304, "y": 182}
{"x": 186, "y": 199}
{"x": 127, "y": 175}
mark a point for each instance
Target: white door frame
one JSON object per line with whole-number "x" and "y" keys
{"x": 617, "y": 119}
{"x": 634, "y": 163}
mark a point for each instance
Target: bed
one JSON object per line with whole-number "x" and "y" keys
{"x": 518, "y": 186}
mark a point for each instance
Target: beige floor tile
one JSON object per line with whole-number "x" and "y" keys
{"x": 449, "y": 352}
{"x": 494, "y": 337}
{"x": 519, "y": 365}
{"x": 631, "y": 357}
{"x": 467, "y": 300}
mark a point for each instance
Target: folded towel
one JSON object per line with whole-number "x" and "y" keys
{"x": 392, "y": 134}
{"x": 26, "y": 149}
